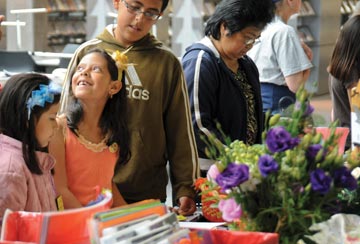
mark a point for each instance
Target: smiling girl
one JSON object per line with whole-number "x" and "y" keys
{"x": 87, "y": 146}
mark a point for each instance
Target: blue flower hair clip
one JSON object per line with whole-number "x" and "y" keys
{"x": 44, "y": 94}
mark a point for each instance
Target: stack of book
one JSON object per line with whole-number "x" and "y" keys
{"x": 144, "y": 222}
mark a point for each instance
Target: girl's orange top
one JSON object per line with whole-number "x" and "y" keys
{"x": 89, "y": 167}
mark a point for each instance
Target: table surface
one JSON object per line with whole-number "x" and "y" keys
{"x": 201, "y": 225}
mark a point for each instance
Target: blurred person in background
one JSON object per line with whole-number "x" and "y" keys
{"x": 283, "y": 60}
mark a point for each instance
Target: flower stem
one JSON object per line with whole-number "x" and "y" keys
{"x": 280, "y": 223}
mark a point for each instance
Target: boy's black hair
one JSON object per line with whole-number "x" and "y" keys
{"x": 14, "y": 114}
{"x": 113, "y": 118}
{"x": 239, "y": 14}
{"x": 164, "y": 5}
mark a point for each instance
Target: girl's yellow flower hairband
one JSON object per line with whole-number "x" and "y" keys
{"x": 121, "y": 61}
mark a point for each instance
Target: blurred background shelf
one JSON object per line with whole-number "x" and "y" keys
{"x": 318, "y": 26}
{"x": 347, "y": 8}
{"x": 63, "y": 23}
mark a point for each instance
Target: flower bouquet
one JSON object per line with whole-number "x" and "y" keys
{"x": 284, "y": 185}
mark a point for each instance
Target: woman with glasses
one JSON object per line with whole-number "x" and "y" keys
{"x": 283, "y": 61}
{"x": 223, "y": 82}
{"x": 158, "y": 114}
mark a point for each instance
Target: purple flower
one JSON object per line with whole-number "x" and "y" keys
{"x": 232, "y": 176}
{"x": 267, "y": 165}
{"x": 230, "y": 209}
{"x": 343, "y": 178}
{"x": 309, "y": 108}
{"x": 312, "y": 151}
{"x": 279, "y": 140}
{"x": 320, "y": 182}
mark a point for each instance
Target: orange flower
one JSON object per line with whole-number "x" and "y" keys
{"x": 199, "y": 183}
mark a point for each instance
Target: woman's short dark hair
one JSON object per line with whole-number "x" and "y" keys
{"x": 345, "y": 60}
{"x": 14, "y": 120}
{"x": 239, "y": 14}
{"x": 113, "y": 118}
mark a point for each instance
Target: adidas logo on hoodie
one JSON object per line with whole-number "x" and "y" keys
{"x": 134, "y": 87}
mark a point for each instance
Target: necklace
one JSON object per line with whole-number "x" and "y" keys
{"x": 95, "y": 147}
{"x": 239, "y": 75}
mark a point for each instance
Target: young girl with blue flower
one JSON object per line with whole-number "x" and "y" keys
{"x": 28, "y": 108}
{"x": 92, "y": 141}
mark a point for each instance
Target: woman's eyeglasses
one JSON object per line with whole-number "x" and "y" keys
{"x": 151, "y": 15}
{"x": 250, "y": 41}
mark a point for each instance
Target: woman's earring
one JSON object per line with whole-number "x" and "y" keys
{"x": 111, "y": 95}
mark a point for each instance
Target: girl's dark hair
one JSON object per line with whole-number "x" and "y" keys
{"x": 113, "y": 118}
{"x": 14, "y": 114}
{"x": 345, "y": 60}
{"x": 239, "y": 14}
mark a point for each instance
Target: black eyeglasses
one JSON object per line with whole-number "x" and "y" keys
{"x": 151, "y": 15}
